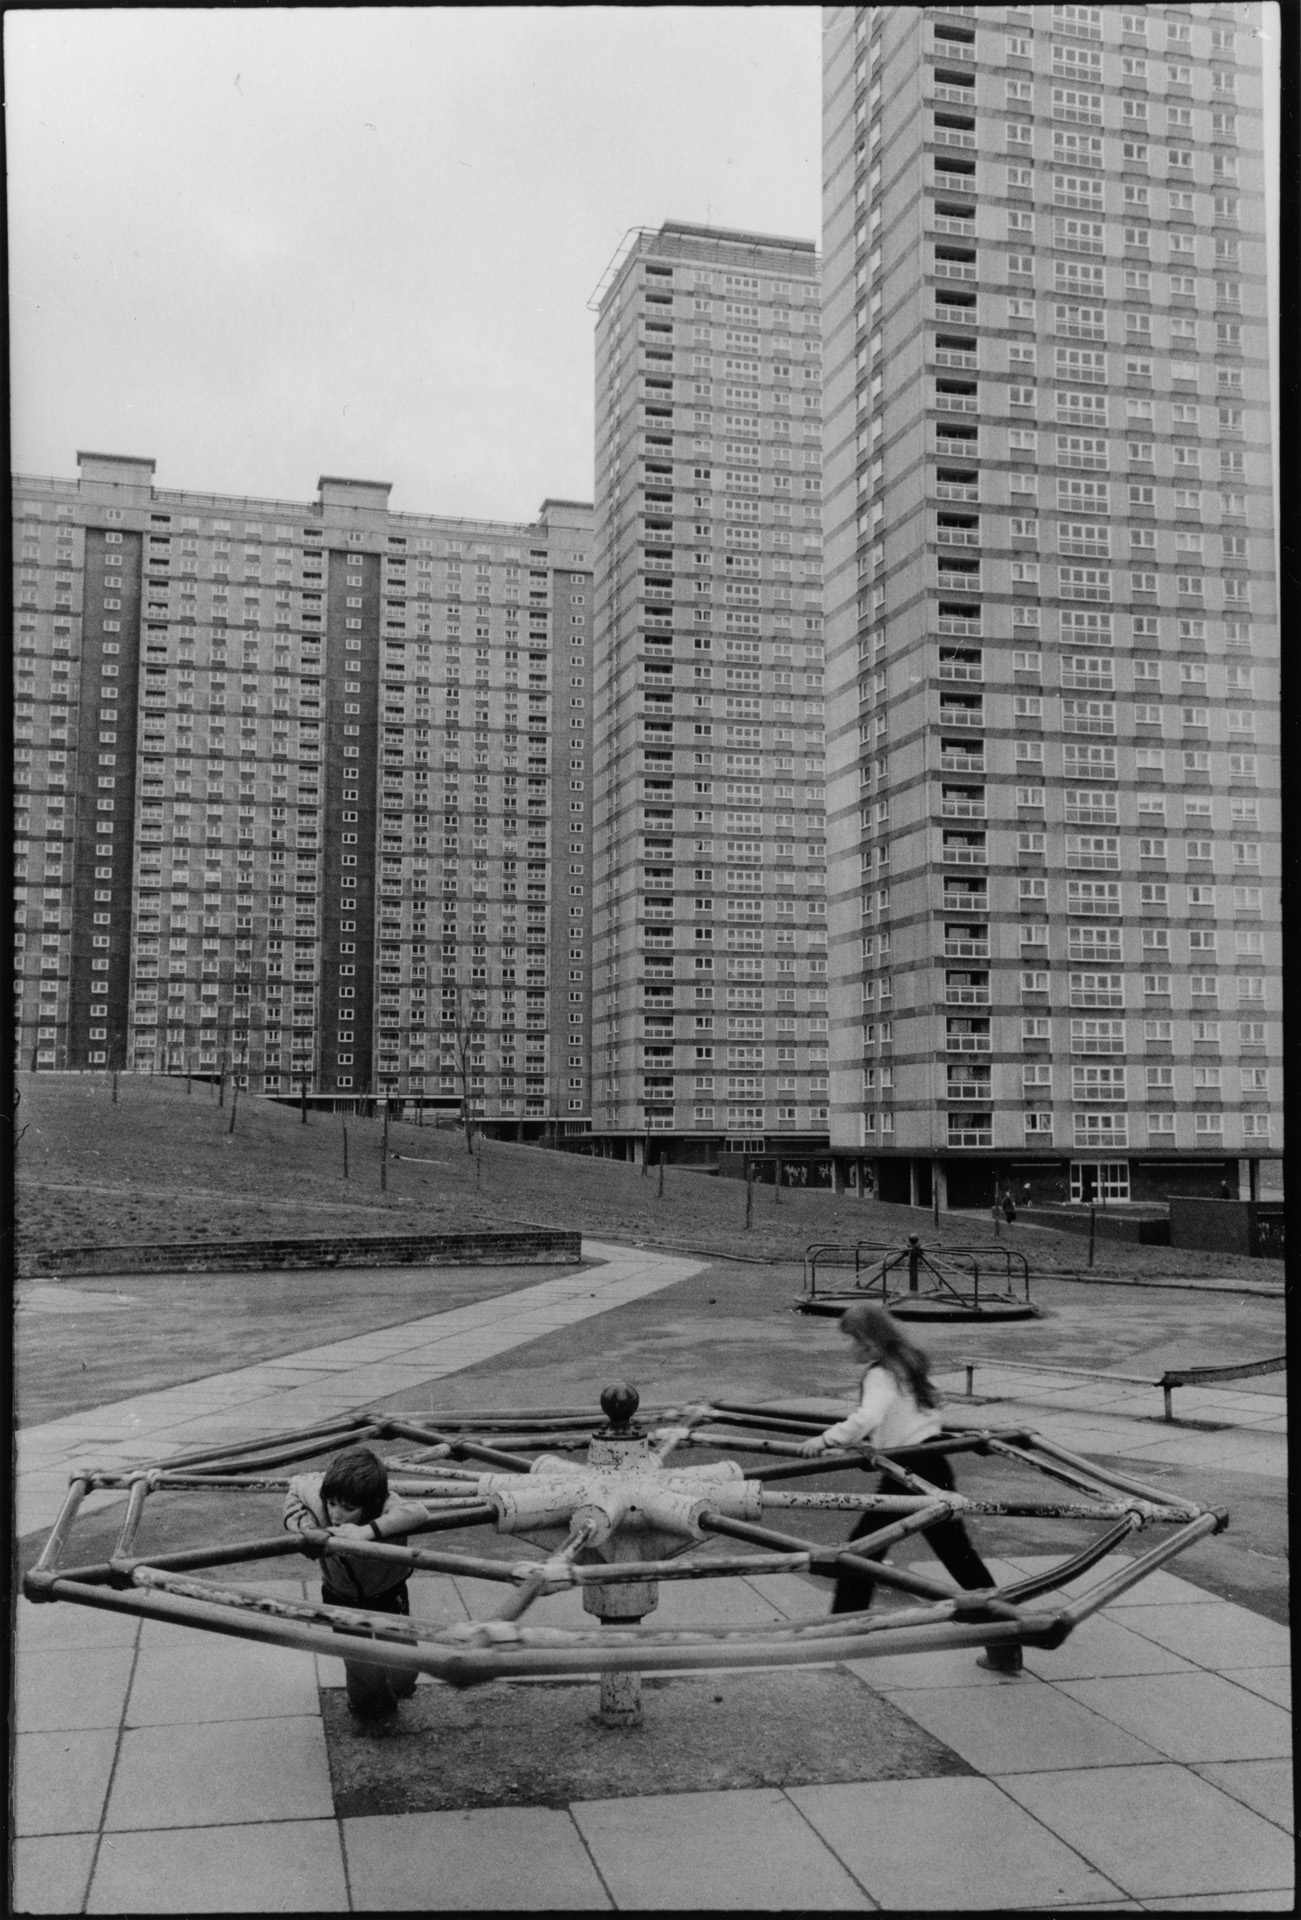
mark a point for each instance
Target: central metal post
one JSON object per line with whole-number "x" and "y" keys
{"x": 620, "y": 1444}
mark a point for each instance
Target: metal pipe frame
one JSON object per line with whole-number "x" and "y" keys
{"x": 161, "y": 1585}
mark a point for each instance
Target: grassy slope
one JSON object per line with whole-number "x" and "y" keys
{"x": 163, "y": 1166}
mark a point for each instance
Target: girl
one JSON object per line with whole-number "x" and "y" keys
{"x": 896, "y": 1412}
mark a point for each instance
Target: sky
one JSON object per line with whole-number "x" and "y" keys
{"x": 259, "y": 245}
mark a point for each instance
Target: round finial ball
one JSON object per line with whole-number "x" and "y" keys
{"x": 619, "y": 1404}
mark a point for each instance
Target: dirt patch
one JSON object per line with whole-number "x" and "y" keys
{"x": 540, "y": 1744}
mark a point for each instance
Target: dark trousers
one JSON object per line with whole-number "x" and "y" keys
{"x": 373, "y": 1691}
{"x": 948, "y": 1539}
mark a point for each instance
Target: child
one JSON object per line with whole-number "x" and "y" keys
{"x": 895, "y": 1414}
{"x": 351, "y": 1497}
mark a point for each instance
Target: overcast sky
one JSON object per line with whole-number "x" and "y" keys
{"x": 265, "y": 245}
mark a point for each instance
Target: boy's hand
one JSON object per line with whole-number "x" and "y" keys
{"x": 811, "y": 1448}
{"x": 352, "y": 1530}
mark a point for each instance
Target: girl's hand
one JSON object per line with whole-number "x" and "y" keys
{"x": 811, "y": 1448}
{"x": 351, "y": 1530}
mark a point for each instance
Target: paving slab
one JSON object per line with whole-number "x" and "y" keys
{"x": 1217, "y": 1636}
{"x": 1263, "y": 1785}
{"x": 51, "y": 1875}
{"x": 486, "y": 1859}
{"x": 1189, "y": 1716}
{"x": 1280, "y": 1901}
{"x": 218, "y": 1678}
{"x": 61, "y": 1780}
{"x": 699, "y": 1851}
{"x": 1271, "y": 1683}
{"x": 72, "y": 1687}
{"x": 274, "y": 1867}
{"x": 953, "y": 1845}
{"x": 1022, "y": 1726}
{"x": 40, "y": 1627}
{"x": 1151, "y": 1829}
{"x": 1099, "y": 1647}
{"x": 221, "y": 1773}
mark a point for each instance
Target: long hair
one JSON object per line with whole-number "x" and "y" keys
{"x": 908, "y": 1363}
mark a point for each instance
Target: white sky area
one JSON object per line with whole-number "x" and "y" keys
{"x": 260, "y": 246}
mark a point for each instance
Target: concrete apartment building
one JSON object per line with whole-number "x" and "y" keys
{"x": 710, "y": 946}
{"x": 1052, "y": 643}
{"x": 302, "y": 791}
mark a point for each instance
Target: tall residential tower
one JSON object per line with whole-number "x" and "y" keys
{"x": 303, "y": 792}
{"x": 710, "y": 962}
{"x": 1052, "y": 634}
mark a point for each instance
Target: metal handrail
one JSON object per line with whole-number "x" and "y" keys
{"x": 1173, "y": 1377}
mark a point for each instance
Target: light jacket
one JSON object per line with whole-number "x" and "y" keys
{"x": 887, "y": 1415}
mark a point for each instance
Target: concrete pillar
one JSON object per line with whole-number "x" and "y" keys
{"x": 914, "y": 1184}
{"x": 940, "y": 1186}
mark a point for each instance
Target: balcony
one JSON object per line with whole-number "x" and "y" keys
{"x": 966, "y": 949}
{"x": 971, "y": 762}
{"x": 971, "y": 1130}
{"x": 958, "y": 536}
{"x": 966, "y": 996}
{"x": 949, "y": 357}
{"x": 963, "y": 810}
{"x": 953, "y": 490}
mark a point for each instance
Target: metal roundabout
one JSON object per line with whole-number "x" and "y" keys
{"x": 914, "y": 1282}
{"x": 616, "y": 1510}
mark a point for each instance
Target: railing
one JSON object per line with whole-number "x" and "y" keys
{"x": 963, "y": 1264}
{"x": 1168, "y": 1381}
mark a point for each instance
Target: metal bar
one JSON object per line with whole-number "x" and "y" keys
{"x": 612, "y": 1652}
{"x": 1123, "y": 1482}
{"x": 466, "y": 1449}
{"x": 538, "y": 1580}
{"x": 77, "y": 1491}
{"x": 341, "y": 1425}
{"x": 843, "y": 1557}
{"x": 135, "y": 1507}
{"x": 1021, "y": 1590}
{"x": 1156, "y": 1556}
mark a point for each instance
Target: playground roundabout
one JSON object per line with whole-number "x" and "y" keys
{"x": 614, "y": 1508}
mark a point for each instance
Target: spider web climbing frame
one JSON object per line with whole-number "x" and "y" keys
{"x": 610, "y": 1506}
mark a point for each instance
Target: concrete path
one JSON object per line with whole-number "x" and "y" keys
{"x": 296, "y": 1390}
{"x": 1142, "y": 1766}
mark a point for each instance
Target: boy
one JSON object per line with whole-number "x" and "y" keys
{"x": 351, "y": 1497}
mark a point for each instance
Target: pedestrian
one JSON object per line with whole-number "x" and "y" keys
{"x": 896, "y": 1413}
{"x": 351, "y": 1498}
{"x": 1009, "y": 1206}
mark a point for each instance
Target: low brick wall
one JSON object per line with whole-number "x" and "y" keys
{"x": 1253, "y": 1227}
{"x": 1142, "y": 1229}
{"x": 526, "y": 1246}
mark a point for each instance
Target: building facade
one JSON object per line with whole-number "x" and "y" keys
{"x": 1052, "y": 633}
{"x": 302, "y": 792}
{"x": 710, "y": 947}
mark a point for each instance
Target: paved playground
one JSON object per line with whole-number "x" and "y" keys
{"x": 1143, "y": 1765}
